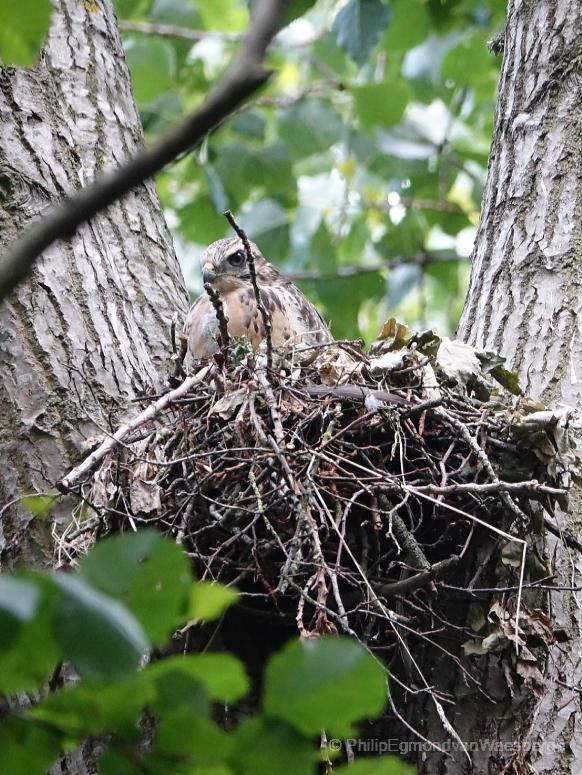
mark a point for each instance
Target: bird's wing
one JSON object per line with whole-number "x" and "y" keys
{"x": 200, "y": 329}
{"x": 296, "y": 315}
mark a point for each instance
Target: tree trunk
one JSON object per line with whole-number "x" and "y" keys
{"x": 91, "y": 326}
{"x": 526, "y": 285}
{"x": 524, "y": 302}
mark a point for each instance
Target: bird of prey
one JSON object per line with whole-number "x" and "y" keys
{"x": 295, "y": 321}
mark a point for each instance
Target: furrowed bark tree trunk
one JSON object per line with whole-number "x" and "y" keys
{"x": 91, "y": 326}
{"x": 525, "y": 302}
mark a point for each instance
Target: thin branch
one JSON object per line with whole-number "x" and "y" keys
{"x": 110, "y": 443}
{"x": 531, "y": 486}
{"x": 175, "y": 31}
{"x": 268, "y": 326}
{"x": 347, "y": 272}
{"x": 244, "y": 77}
{"x": 419, "y": 580}
{"x": 216, "y": 302}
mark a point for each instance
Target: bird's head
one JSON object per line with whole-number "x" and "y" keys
{"x": 224, "y": 265}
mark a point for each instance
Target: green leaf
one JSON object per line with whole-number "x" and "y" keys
{"x": 24, "y": 665}
{"x": 359, "y": 25}
{"x": 249, "y": 124}
{"x": 18, "y": 599}
{"x": 243, "y": 167}
{"x": 265, "y": 746}
{"x": 322, "y": 255}
{"x": 152, "y": 63}
{"x": 209, "y": 600}
{"x": 222, "y": 674}
{"x": 96, "y": 707}
{"x": 267, "y": 223}
{"x": 508, "y": 379}
{"x": 224, "y": 15}
{"x": 343, "y": 299}
{"x": 27, "y": 749}
{"x": 148, "y": 574}
{"x": 182, "y": 13}
{"x": 469, "y": 62}
{"x": 201, "y": 222}
{"x": 98, "y": 635}
{"x": 127, "y": 8}
{"x": 23, "y": 28}
{"x": 384, "y": 765}
{"x": 295, "y": 9}
{"x": 328, "y": 683}
{"x": 410, "y": 24}
{"x": 184, "y": 733}
{"x": 309, "y": 127}
{"x": 381, "y": 104}
{"x": 175, "y": 689}
{"x": 39, "y": 505}
{"x": 113, "y": 762}
{"x": 18, "y": 603}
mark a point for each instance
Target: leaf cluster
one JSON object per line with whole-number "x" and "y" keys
{"x": 98, "y": 625}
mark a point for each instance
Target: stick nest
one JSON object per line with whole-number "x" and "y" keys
{"x": 366, "y": 493}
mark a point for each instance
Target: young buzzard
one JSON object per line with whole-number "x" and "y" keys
{"x": 295, "y": 320}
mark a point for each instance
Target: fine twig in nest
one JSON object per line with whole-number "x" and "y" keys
{"x": 110, "y": 443}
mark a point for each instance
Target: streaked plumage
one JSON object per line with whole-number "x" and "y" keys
{"x": 295, "y": 320}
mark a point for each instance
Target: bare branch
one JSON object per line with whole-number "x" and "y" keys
{"x": 347, "y": 272}
{"x": 111, "y": 442}
{"x": 244, "y": 77}
{"x": 220, "y": 316}
{"x": 253, "y": 272}
{"x": 175, "y": 31}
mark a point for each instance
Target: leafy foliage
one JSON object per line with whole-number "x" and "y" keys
{"x": 23, "y": 27}
{"x": 375, "y": 128}
{"x": 374, "y": 132}
{"x": 99, "y": 619}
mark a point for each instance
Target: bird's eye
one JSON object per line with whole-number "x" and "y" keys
{"x": 237, "y": 259}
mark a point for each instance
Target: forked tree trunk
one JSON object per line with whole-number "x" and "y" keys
{"x": 91, "y": 326}
{"x": 525, "y": 301}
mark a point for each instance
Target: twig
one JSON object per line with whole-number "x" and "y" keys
{"x": 175, "y": 31}
{"x": 267, "y": 324}
{"x": 405, "y": 537}
{"x": 418, "y": 580}
{"x": 65, "y": 484}
{"x": 244, "y": 77}
{"x": 483, "y": 459}
{"x": 216, "y": 302}
{"x": 347, "y": 272}
{"x": 532, "y": 486}
{"x": 355, "y": 393}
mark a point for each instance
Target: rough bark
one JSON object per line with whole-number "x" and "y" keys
{"x": 92, "y": 324}
{"x": 524, "y": 301}
{"x": 525, "y": 295}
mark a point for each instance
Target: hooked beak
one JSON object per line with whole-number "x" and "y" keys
{"x": 208, "y": 273}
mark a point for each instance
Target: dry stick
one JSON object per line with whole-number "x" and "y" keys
{"x": 65, "y": 484}
{"x": 405, "y": 537}
{"x": 243, "y": 78}
{"x": 216, "y": 302}
{"x": 531, "y": 486}
{"x": 253, "y": 272}
{"x": 355, "y": 393}
{"x": 418, "y": 580}
{"x": 483, "y": 459}
{"x": 507, "y": 536}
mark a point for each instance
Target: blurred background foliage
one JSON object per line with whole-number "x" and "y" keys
{"x": 358, "y": 170}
